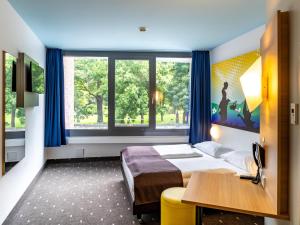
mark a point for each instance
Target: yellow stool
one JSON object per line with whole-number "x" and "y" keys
{"x": 173, "y": 212}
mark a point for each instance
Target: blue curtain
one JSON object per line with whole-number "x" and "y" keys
{"x": 55, "y": 134}
{"x": 200, "y": 98}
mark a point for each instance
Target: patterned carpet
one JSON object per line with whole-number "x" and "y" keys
{"x": 92, "y": 193}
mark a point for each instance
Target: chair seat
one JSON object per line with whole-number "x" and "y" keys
{"x": 173, "y": 211}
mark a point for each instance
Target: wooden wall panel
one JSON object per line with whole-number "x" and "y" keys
{"x": 283, "y": 110}
{"x": 275, "y": 109}
{"x": 269, "y": 113}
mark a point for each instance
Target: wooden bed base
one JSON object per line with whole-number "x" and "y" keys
{"x": 138, "y": 210}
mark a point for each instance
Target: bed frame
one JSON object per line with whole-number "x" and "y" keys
{"x": 138, "y": 210}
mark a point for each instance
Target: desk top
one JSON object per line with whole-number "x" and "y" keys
{"x": 226, "y": 191}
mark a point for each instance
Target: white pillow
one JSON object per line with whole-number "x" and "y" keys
{"x": 241, "y": 159}
{"x": 212, "y": 148}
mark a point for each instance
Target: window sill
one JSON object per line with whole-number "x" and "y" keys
{"x": 127, "y": 132}
{"x": 128, "y": 140}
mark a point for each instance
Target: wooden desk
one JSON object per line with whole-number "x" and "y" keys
{"x": 226, "y": 191}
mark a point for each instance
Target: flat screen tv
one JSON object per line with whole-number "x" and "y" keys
{"x": 28, "y": 77}
{"x": 29, "y": 81}
{"x": 14, "y": 77}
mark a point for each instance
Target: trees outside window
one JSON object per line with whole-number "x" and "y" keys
{"x": 172, "y": 86}
{"x": 111, "y": 93}
{"x": 132, "y": 93}
{"x": 90, "y": 92}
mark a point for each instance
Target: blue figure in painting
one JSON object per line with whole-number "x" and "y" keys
{"x": 224, "y": 103}
{"x": 246, "y": 118}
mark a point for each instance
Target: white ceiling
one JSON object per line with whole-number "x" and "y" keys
{"x": 174, "y": 25}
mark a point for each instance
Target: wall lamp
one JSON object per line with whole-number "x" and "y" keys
{"x": 251, "y": 82}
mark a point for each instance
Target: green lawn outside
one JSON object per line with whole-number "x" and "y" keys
{"x": 169, "y": 119}
{"x": 18, "y": 122}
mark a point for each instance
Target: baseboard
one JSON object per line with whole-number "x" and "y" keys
{"x": 24, "y": 196}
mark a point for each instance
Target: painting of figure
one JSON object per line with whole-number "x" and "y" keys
{"x": 229, "y": 106}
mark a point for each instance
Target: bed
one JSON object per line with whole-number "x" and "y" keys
{"x": 137, "y": 158}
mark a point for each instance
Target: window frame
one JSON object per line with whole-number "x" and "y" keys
{"x": 113, "y": 130}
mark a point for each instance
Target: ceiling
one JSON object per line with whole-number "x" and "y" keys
{"x": 173, "y": 25}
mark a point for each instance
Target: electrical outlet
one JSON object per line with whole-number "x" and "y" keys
{"x": 294, "y": 113}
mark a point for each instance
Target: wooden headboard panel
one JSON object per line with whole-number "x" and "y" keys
{"x": 274, "y": 116}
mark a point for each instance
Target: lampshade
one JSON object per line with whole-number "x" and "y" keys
{"x": 159, "y": 97}
{"x": 251, "y": 85}
{"x": 215, "y": 132}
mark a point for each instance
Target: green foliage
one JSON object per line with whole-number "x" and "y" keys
{"x": 91, "y": 88}
{"x": 10, "y": 97}
{"x": 173, "y": 82}
{"x": 131, "y": 92}
{"x": 38, "y": 79}
{"x": 132, "y": 84}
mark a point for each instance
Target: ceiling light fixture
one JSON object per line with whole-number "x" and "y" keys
{"x": 143, "y": 29}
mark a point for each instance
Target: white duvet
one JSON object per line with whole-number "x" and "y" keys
{"x": 186, "y": 165}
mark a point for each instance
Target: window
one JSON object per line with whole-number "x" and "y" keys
{"x": 172, "y": 93}
{"x": 132, "y": 93}
{"x": 86, "y": 92}
{"x": 127, "y": 93}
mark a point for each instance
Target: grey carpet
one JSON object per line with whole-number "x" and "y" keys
{"x": 92, "y": 193}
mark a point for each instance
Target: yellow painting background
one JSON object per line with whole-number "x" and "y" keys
{"x": 231, "y": 70}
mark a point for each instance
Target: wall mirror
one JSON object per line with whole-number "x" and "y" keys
{"x": 13, "y": 117}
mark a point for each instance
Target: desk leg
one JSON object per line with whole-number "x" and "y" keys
{"x": 199, "y": 215}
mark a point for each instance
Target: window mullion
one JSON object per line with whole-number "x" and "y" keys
{"x": 152, "y": 88}
{"x": 111, "y": 94}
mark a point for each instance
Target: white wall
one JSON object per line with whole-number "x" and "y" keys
{"x": 234, "y": 138}
{"x": 294, "y": 7}
{"x": 86, "y": 147}
{"x": 17, "y": 37}
{"x": 247, "y": 42}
